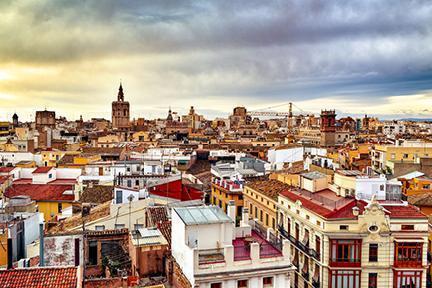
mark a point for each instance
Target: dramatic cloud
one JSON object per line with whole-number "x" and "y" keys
{"x": 363, "y": 56}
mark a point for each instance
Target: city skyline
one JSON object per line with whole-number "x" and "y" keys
{"x": 363, "y": 58}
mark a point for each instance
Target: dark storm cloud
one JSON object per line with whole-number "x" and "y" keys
{"x": 268, "y": 50}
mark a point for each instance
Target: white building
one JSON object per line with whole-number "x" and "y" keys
{"x": 212, "y": 253}
{"x": 284, "y": 154}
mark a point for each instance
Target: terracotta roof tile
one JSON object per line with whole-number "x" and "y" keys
{"x": 6, "y": 169}
{"x": 41, "y": 192}
{"x": 97, "y": 194}
{"x": 46, "y": 277}
{"x": 270, "y": 188}
{"x": 42, "y": 170}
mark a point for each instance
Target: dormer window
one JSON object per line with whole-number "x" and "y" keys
{"x": 50, "y": 175}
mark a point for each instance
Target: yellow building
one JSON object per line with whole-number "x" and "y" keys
{"x": 85, "y": 159}
{"x": 141, "y": 136}
{"x": 52, "y": 209}
{"x": 223, "y": 191}
{"x": 108, "y": 141}
{"x": 386, "y": 157}
{"x": 4, "y": 128}
{"x": 260, "y": 197}
{"x": 415, "y": 186}
{"x": 52, "y": 199}
{"x": 3, "y": 246}
{"x": 50, "y": 158}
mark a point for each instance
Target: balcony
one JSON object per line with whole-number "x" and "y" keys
{"x": 345, "y": 262}
{"x": 314, "y": 254}
{"x": 242, "y": 247}
{"x": 305, "y": 275}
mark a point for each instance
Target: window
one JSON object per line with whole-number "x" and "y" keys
{"x": 345, "y": 278}
{"x": 59, "y": 207}
{"x": 318, "y": 246}
{"x": 119, "y": 196}
{"x": 373, "y": 252}
{"x": 373, "y": 280}
{"x": 129, "y": 183}
{"x": 100, "y": 227}
{"x": 119, "y": 226}
{"x": 138, "y": 226}
{"x": 216, "y": 285}
{"x": 407, "y": 279}
{"x": 267, "y": 219}
{"x": 407, "y": 227}
{"x": 242, "y": 284}
{"x": 50, "y": 176}
{"x": 92, "y": 253}
{"x": 136, "y": 182}
{"x": 307, "y": 217}
{"x": 345, "y": 252}
{"x": 343, "y": 227}
{"x": 268, "y": 281}
{"x": 408, "y": 254}
{"x": 405, "y": 156}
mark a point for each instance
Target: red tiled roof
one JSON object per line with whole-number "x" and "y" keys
{"x": 23, "y": 181}
{"x": 345, "y": 211}
{"x": 6, "y": 169}
{"x": 53, "y": 277}
{"x": 41, "y": 192}
{"x": 64, "y": 181}
{"x": 408, "y": 211}
{"x": 4, "y": 178}
{"x": 42, "y": 170}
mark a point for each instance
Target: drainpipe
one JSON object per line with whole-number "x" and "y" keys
{"x": 41, "y": 245}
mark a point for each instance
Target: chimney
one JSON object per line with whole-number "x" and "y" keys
{"x": 9, "y": 254}
{"x": 232, "y": 210}
{"x": 41, "y": 245}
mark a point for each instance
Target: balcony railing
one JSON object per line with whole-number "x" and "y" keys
{"x": 305, "y": 275}
{"x": 349, "y": 262}
{"x": 314, "y": 254}
{"x": 315, "y": 283}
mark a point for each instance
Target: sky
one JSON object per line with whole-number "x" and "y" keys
{"x": 358, "y": 57}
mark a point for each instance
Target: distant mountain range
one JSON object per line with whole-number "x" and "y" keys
{"x": 417, "y": 119}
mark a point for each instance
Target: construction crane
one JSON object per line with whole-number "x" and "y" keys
{"x": 273, "y": 113}
{"x": 288, "y": 115}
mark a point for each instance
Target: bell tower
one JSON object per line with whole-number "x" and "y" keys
{"x": 328, "y": 127}
{"x": 120, "y": 112}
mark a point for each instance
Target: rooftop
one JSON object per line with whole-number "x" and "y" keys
{"x": 148, "y": 237}
{"x": 270, "y": 188}
{"x": 350, "y": 173}
{"x": 41, "y": 192}
{"x": 313, "y": 175}
{"x": 6, "y": 169}
{"x": 202, "y": 215}
{"x": 47, "y": 277}
{"x": 42, "y": 170}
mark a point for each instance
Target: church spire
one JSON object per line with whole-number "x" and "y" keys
{"x": 120, "y": 96}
